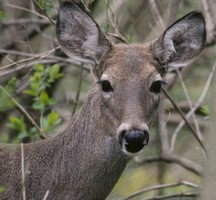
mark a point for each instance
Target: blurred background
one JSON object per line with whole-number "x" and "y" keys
{"x": 37, "y": 78}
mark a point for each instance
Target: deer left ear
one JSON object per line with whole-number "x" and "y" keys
{"x": 181, "y": 42}
{"x": 79, "y": 35}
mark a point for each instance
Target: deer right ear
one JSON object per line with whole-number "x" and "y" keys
{"x": 79, "y": 35}
{"x": 181, "y": 42}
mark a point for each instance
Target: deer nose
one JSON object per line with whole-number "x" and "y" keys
{"x": 133, "y": 141}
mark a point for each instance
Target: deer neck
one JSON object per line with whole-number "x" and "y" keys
{"x": 91, "y": 150}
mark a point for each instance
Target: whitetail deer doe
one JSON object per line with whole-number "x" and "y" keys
{"x": 85, "y": 161}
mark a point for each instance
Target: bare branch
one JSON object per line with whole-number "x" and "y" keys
{"x": 119, "y": 37}
{"x": 208, "y": 191}
{"x": 184, "y": 118}
{"x": 198, "y": 132}
{"x": 24, "y": 113}
{"x": 172, "y": 158}
{"x": 46, "y": 195}
{"x": 40, "y": 56}
{"x": 52, "y": 22}
{"x": 195, "y": 107}
{"x": 173, "y": 10}
{"x": 23, "y": 173}
{"x": 163, "y": 133}
{"x": 25, "y": 9}
{"x": 156, "y": 14}
{"x": 163, "y": 186}
{"x": 180, "y": 195}
{"x": 14, "y": 22}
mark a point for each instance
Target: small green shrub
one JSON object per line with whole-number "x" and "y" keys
{"x": 39, "y": 82}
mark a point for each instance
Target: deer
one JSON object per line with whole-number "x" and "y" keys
{"x": 85, "y": 161}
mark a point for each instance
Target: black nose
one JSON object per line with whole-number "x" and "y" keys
{"x": 134, "y": 140}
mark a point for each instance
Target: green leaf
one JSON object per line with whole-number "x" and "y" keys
{"x": 30, "y": 92}
{"x": 38, "y": 106}
{"x": 51, "y": 120}
{"x": 41, "y": 3}
{"x": 17, "y": 124}
{"x": 44, "y": 123}
{"x": 45, "y": 5}
{"x": 23, "y": 135}
{"x": 2, "y": 15}
{"x": 11, "y": 85}
{"x": 54, "y": 118}
{"x": 54, "y": 73}
{"x": 44, "y": 98}
{"x": 205, "y": 110}
{"x": 2, "y": 189}
{"x": 5, "y": 100}
{"x": 39, "y": 67}
{"x": 33, "y": 131}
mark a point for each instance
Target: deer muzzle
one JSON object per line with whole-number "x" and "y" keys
{"x": 133, "y": 141}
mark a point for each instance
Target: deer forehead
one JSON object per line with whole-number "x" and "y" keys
{"x": 131, "y": 63}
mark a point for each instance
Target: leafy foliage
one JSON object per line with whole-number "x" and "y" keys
{"x": 5, "y": 101}
{"x": 41, "y": 80}
{"x": 2, "y": 189}
{"x": 2, "y": 15}
{"x": 45, "y": 5}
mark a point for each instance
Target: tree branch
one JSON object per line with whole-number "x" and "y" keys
{"x": 184, "y": 118}
{"x": 196, "y": 106}
{"x": 172, "y": 158}
{"x": 163, "y": 186}
{"x": 24, "y": 113}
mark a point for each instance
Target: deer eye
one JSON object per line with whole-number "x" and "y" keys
{"x": 105, "y": 86}
{"x": 156, "y": 86}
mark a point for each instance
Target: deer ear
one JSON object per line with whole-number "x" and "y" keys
{"x": 181, "y": 42}
{"x": 79, "y": 35}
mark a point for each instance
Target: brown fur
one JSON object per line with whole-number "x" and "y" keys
{"x": 85, "y": 161}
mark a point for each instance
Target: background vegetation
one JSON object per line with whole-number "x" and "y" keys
{"x": 41, "y": 89}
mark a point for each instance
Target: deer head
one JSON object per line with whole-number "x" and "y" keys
{"x": 129, "y": 77}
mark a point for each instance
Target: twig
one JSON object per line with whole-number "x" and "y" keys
{"x": 39, "y": 56}
{"x": 13, "y": 22}
{"x": 50, "y": 59}
{"x": 181, "y": 195}
{"x": 156, "y": 14}
{"x": 23, "y": 173}
{"x": 71, "y": 60}
{"x": 53, "y": 22}
{"x": 25, "y": 9}
{"x": 46, "y": 195}
{"x": 196, "y": 106}
{"x": 184, "y": 118}
{"x": 24, "y": 113}
{"x": 114, "y": 22}
{"x": 158, "y": 187}
{"x": 10, "y": 72}
{"x": 173, "y": 10}
{"x": 172, "y": 158}
{"x": 119, "y": 37}
{"x": 163, "y": 133}
{"x": 198, "y": 132}
{"x": 208, "y": 185}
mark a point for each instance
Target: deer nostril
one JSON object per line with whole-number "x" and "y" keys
{"x": 134, "y": 140}
{"x": 121, "y": 136}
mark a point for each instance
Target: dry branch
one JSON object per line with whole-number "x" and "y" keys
{"x": 175, "y": 159}
{"x": 163, "y": 186}
{"x": 24, "y": 113}
{"x": 195, "y": 107}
